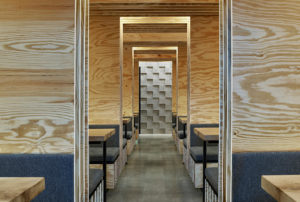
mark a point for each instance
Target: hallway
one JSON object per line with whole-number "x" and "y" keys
{"x": 155, "y": 173}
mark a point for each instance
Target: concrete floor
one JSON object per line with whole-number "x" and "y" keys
{"x": 155, "y": 173}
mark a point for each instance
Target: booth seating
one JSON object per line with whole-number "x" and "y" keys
{"x": 180, "y": 135}
{"x": 174, "y": 117}
{"x": 184, "y": 153}
{"x": 247, "y": 169}
{"x": 211, "y": 184}
{"x": 128, "y": 133}
{"x": 96, "y": 188}
{"x": 195, "y": 159}
{"x": 136, "y": 124}
{"x": 114, "y": 164}
{"x": 124, "y": 152}
{"x": 58, "y": 170}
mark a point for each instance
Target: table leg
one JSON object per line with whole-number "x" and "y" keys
{"x": 204, "y": 167}
{"x": 104, "y": 171}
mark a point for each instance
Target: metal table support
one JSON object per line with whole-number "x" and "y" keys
{"x": 104, "y": 170}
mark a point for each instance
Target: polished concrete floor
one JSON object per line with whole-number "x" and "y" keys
{"x": 155, "y": 173}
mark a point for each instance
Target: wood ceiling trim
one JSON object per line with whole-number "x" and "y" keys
{"x": 155, "y": 43}
{"x": 154, "y": 1}
{"x": 154, "y": 9}
{"x": 154, "y": 20}
{"x": 154, "y": 56}
{"x": 154, "y": 37}
{"x": 155, "y": 28}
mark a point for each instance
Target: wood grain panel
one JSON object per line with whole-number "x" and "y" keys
{"x": 182, "y": 81}
{"x": 37, "y": 76}
{"x": 155, "y": 28}
{"x": 104, "y": 71}
{"x": 154, "y": 37}
{"x": 266, "y": 76}
{"x": 174, "y": 86}
{"x": 155, "y": 8}
{"x": 127, "y": 82}
{"x": 204, "y": 96}
{"x": 154, "y": 1}
{"x": 145, "y": 56}
{"x": 136, "y": 87}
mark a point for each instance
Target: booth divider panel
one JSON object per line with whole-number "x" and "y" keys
{"x": 204, "y": 96}
{"x": 104, "y": 70}
{"x": 37, "y": 76}
{"x": 266, "y": 76}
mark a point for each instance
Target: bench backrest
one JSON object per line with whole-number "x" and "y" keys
{"x": 56, "y": 168}
{"x": 249, "y": 167}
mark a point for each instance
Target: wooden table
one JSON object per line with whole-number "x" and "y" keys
{"x": 102, "y": 135}
{"x": 21, "y": 189}
{"x": 283, "y": 188}
{"x": 206, "y": 134}
{"x": 126, "y": 120}
{"x": 183, "y": 119}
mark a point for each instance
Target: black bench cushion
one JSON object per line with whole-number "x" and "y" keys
{"x": 95, "y": 178}
{"x": 211, "y": 155}
{"x": 181, "y": 135}
{"x": 247, "y": 169}
{"x": 184, "y": 142}
{"x": 129, "y": 135}
{"x": 211, "y": 175}
{"x": 96, "y": 154}
{"x": 56, "y": 168}
{"x": 124, "y": 142}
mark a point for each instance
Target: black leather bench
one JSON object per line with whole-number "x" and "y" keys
{"x": 211, "y": 184}
{"x": 181, "y": 131}
{"x": 211, "y": 155}
{"x": 196, "y": 153}
{"x": 96, "y": 154}
{"x": 174, "y": 117}
{"x": 95, "y": 179}
{"x": 211, "y": 175}
{"x": 127, "y": 129}
{"x": 136, "y": 121}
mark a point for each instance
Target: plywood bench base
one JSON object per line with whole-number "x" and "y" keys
{"x": 130, "y": 145}
{"x": 210, "y": 195}
{"x": 136, "y": 134}
{"x": 196, "y": 171}
{"x": 185, "y": 157}
{"x": 174, "y": 135}
{"x": 124, "y": 160}
{"x": 112, "y": 173}
{"x": 179, "y": 145}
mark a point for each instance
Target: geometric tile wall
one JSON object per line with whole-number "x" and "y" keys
{"x": 156, "y": 97}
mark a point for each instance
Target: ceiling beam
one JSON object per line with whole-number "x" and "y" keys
{"x": 154, "y": 37}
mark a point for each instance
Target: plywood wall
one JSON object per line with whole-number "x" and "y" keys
{"x": 104, "y": 70}
{"x": 174, "y": 87}
{"x": 127, "y": 81}
{"x": 136, "y": 84}
{"x": 182, "y": 81}
{"x": 266, "y": 75}
{"x": 204, "y": 71}
{"x": 36, "y": 76}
